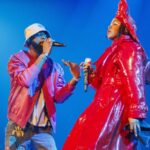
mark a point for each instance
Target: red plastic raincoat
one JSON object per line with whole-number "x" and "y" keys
{"x": 119, "y": 85}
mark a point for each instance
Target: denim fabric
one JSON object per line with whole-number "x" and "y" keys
{"x": 29, "y": 141}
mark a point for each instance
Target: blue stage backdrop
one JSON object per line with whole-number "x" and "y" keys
{"x": 82, "y": 26}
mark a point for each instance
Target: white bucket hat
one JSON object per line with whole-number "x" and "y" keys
{"x": 32, "y": 30}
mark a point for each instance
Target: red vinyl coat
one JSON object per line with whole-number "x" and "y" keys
{"x": 119, "y": 84}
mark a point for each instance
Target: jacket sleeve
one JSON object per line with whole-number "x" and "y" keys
{"x": 131, "y": 61}
{"x": 20, "y": 73}
{"x": 62, "y": 90}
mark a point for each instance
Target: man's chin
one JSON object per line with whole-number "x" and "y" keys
{"x": 38, "y": 48}
{"x": 39, "y": 52}
{"x": 110, "y": 37}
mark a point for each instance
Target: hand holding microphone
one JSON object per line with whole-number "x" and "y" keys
{"x": 86, "y": 68}
{"x": 47, "y": 45}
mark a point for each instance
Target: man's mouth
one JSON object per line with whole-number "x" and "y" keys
{"x": 41, "y": 43}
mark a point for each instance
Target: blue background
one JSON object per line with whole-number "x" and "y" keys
{"x": 82, "y": 26}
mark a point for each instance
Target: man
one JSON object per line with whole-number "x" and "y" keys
{"x": 36, "y": 83}
{"x": 112, "y": 120}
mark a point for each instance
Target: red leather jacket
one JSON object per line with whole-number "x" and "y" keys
{"x": 119, "y": 85}
{"x": 26, "y": 82}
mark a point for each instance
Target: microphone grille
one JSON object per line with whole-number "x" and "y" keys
{"x": 88, "y": 60}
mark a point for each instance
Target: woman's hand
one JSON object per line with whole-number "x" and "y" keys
{"x": 134, "y": 126}
{"x": 86, "y": 64}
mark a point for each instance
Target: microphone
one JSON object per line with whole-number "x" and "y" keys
{"x": 87, "y": 62}
{"x": 54, "y": 43}
{"x": 58, "y": 44}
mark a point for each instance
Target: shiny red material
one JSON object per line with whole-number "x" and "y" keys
{"x": 119, "y": 85}
{"x": 124, "y": 17}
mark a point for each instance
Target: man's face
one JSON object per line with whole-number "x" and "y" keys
{"x": 40, "y": 37}
{"x": 114, "y": 29}
{"x": 38, "y": 40}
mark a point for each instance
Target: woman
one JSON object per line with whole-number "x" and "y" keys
{"x": 119, "y": 100}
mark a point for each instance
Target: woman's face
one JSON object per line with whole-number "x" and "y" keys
{"x": 114, "y": 29}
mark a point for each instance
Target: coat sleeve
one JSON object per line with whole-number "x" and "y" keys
{"x": 62, "y": 90}
{"x": 20, "y": 73}
{"x": 147, "y": 72}
{"x": 94, "y": 80}
{"x": 131, "y": 59}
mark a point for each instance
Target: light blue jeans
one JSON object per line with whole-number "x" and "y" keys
{"x": 42, "y": 141}
{"x": 29, "y": 141}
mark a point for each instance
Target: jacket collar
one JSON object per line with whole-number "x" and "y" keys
{"x": 120, "y": 39}
{"x": 23, "y": 57}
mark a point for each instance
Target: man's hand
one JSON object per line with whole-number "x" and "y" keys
{"x": 7, "y": 148}
{"x": 74, "y": 68}
{"x": 47, "y": 46}
{"x": 134, "y": 126}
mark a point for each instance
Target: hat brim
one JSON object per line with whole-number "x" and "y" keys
{"x": 26, "y": 41}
